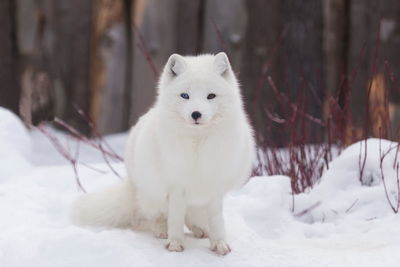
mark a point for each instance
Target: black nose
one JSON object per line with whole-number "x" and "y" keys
{"x": 196, "y": 115}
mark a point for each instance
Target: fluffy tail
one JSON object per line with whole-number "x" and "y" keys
{"x": 114, "y": 207}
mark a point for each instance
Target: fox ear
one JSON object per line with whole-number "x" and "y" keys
{"x": 176, "y": 65}
{"x": 221, "y": 63}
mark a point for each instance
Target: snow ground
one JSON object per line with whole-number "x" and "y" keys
{"x": 350, "y": 224}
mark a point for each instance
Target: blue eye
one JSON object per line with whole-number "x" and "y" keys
{"x": 185, "y": 96}
{"x": 211, "y": 96}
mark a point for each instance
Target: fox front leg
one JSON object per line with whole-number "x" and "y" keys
{"x": 217, "y": 228}
{"x": 176, "y": 220}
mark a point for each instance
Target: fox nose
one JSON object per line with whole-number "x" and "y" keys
{"x": 196, "y": 115}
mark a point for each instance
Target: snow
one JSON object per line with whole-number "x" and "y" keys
{"x": 15, "y": 146}
{"x": 343, "y": 196}
{"x": 340, "y": 222}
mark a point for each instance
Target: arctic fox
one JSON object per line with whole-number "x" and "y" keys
{"x": 194, "y": 145}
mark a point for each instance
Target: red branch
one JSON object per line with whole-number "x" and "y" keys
{"x": 66, "y": 153}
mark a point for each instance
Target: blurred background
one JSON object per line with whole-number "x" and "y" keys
{"x": 104, "y": 56}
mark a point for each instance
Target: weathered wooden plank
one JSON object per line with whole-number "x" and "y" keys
{"x": 390, "y": 41}
{"x": 225, "y": 23}
{"x": 189, "y": 26}
{"x": 9, "y": 54}
{"x": 362, "y": 40}
{"x": 34, "y": 41}
{"x": 302, "y": 46}
{"x": 259, "y": 57}
{"x": 158, "y": 31}
{"x": 107, "y": 66}
{"x": 111, "y": 110}
{"x": 335, "y": 41}
{"x": 72, "y": 35}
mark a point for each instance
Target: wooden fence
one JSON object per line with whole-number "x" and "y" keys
{"x": 58, "y": 55}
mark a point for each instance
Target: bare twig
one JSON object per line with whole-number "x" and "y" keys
{"x": 307, "y": 210}
{"x": 66, "y": 153}
{"x": 141, "y": 44}
{"x": 351, "y": 206}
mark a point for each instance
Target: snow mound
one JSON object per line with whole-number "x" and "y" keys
{"x": 341, "y": 193}
{"x": 351, "y": 226}
{"x": 15, "y": 145}
{"x": 261, "y": 197}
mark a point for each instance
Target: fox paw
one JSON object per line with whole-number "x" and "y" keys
{"x": 198, "y": 232}
{"x": 220, "y": 247}
{"x": 160, "y": 235}
{"x": 174, "y": 245}
{"x": 160, "y": 229}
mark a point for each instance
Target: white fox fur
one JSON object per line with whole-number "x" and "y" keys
{"x": 180, "y": 164}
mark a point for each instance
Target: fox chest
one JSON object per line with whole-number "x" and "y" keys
{"x": 193, "y": 159}
{"x": 200, "y": 168}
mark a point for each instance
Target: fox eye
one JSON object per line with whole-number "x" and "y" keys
{"x": 211, "y": 96}
{"x": 185, "y": 96}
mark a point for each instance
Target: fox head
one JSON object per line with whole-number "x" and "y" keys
{"x": 199, "y": 90}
